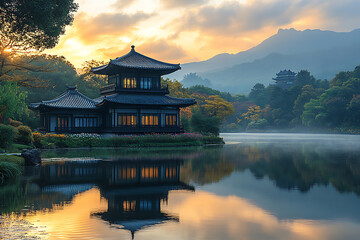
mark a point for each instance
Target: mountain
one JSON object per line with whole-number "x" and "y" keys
{"x": 323, "y": 53}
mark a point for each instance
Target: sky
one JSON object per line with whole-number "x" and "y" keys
{"x": 181, "y": 31}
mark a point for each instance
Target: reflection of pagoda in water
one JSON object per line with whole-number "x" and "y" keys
{"x": 135, "y": 189}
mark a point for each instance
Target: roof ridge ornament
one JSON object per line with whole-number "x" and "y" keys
{"x": 133, "y": 48}
{"x": 71, "y": 88}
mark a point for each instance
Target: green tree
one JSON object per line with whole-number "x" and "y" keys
{"x": 307, "y": 92}
{"x": 35, "y": 24}
{"x": 259, "y": 95}
{"x": 304, "y": 78}
{"x": 353, "y": 112}
{"x": 340, "y": 78}
{"x": 29, "y": 25}
{"x": 12, "y": 101}
{"x": 176, "y": 89}
{"x": 202, "y": 124}
{"x": 94, "y": 80}
{"x": 53, "y": 82}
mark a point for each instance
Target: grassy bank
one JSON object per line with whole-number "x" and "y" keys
{"x": 52, "y": 141}
{"x": 10, "y": 167}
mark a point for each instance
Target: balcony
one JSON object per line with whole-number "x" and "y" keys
{"x": 112, "y": 88}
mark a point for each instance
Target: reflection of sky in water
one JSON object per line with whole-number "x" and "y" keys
{"x": 229, "y": 202}
{"x": 203, "y": 215}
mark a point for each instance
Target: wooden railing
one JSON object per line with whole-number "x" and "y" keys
{"x": 112, "y": 88}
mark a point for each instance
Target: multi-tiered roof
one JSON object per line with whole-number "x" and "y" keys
{"x": 285, "y": 78}
{"x": 134, "y": 61}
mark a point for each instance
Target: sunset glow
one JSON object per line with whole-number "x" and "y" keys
{"x": 186, "y": 31}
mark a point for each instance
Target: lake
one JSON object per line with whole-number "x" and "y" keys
{"x": 256, "y": 186}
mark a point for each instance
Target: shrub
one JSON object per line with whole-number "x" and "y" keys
{"x": 205, "y": 125}
{"x": 8, "y": 170}
{"x": 258, "y": 124}
{"x": 7, "y": 135}
{"x": 38, "y": 137}
{"x": 15, "y": 123}
{"x": 54, "y": 140}
{"x": 24, "y": 135}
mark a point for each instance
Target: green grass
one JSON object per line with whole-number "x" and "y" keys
{"x": 14, "y": 159}
{"x": 17, "y": 148}
{"x": 10, "y": 167}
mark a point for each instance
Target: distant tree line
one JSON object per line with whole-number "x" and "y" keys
{"x": 310, "y": 104}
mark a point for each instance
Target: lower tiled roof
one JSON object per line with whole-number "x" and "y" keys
{"x": 141, "y": 99}
{"x": 72, "y": 98}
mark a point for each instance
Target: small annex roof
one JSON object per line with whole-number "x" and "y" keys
{"x": 72, "y": 98}
{"x": 136, "y": 61}
{"x": 141, "y": 99}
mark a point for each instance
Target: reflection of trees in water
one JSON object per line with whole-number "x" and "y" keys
{"x": 299, "y": 167}
{"x": 289, "y": 166}
{"x": 14, "y": 196}
{"x": 210, "y": 166}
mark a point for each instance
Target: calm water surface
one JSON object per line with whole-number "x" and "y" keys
{"x": 257, "y": 186}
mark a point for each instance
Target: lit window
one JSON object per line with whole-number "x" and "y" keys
{"x": 129, "y": 206}
{"x": 126, "y": 173}
{"x": 129, "y": 82}
{"x": 127, "y": 120}
{"x": 149, "y": 172}
{"x": 150, "y": 120}
{"x": 170, "y": 120}
{"x": 62, "y": 122}
{"x": 170, "y": 172}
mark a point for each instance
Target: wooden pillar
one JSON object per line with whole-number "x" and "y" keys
{"x": 139, "y": 117}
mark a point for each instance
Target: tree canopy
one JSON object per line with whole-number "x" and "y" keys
{"x": 35, "y": 24}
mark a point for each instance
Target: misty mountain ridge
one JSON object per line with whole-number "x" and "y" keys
{"x": 323, "y": 53}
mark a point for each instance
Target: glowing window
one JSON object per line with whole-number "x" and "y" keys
{"x": 170, "y": 172}
{"x": 126, "y": 173}
{"x": 149, "y": 172}
{"x": 129, "y": 82}
{"x": 150, "y": 120}
{"x": 170, "y": 120}
{"x": 127, "y": 120}
{"x": 129, "y": 206}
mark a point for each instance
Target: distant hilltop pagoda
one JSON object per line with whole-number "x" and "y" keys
{"x": 285, "y": 79}
{"x": 133, "y": 102}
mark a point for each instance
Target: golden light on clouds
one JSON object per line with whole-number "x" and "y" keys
{"x": 190, "y": 30}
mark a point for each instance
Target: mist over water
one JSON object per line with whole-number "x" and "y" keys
{"x": 256, "y": 186}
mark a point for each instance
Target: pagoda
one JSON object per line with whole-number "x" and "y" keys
{"x": 133, "y": 102}
{"x": 285, "y": 79}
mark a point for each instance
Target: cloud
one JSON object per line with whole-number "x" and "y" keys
{"x": 182, "y": 3}
{"x": 120, "y": 4}
{"x": 235, "y": 18}
{"x": 162, "y": 49}
{"x": 232, "y": 18}
{"x": 105, "y": 25}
